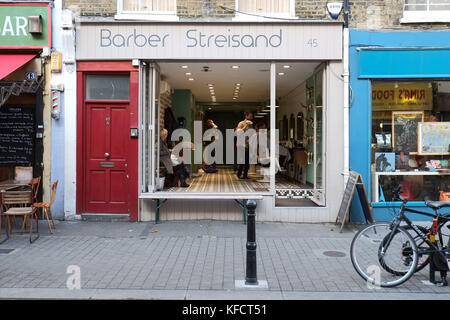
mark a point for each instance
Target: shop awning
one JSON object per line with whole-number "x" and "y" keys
{"x": 11, "y": 62}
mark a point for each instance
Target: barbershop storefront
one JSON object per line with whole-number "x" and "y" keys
{"x": 400, "y": 118}
{"x": 143, "y": 88}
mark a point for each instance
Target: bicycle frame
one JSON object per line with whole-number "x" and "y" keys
{"x": 402, "y": 217}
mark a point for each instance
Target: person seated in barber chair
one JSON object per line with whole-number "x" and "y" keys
{"x": 176, "y": 169}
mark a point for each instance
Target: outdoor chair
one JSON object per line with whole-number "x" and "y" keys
{"x": 46, "y": 206}
{"x": 25, "y": 200}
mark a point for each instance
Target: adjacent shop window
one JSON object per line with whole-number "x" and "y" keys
{"x": 147, "y": 6}
{"x": 411, "y": 140}
{"x": 426, "y": 11}
{"x": 107, "y": 87}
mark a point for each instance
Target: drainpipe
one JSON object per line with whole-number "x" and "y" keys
{"x": 346, "y": 93}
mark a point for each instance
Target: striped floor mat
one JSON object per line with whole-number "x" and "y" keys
{"x": 226, "y": 181}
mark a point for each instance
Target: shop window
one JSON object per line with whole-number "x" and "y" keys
{"x": 415, "y": 11}
{"x": 410, "y": 140}
{"x": 248, "y": 9}
{"x": 107, "y": 87}
{"x": 142, "y": 9}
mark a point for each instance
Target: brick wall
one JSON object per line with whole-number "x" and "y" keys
{"x": 364, "y": 14}
{"x": 104, "y": 8}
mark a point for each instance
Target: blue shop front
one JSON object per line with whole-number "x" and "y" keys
{"x": 400, "y": 118}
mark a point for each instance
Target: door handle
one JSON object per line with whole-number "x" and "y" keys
{"x": 107, "y": 155}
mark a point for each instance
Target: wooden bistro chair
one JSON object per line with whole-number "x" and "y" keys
{"x": 46, "y": 206}
{"x": 34, "y": 185}
{"x": 24, "y": 198}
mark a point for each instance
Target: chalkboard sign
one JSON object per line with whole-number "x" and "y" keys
{"x": 354, "y": 182}
{"x": 17, "y": 135}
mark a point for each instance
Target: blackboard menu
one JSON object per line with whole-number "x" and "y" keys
{"x": 16, "y": 135}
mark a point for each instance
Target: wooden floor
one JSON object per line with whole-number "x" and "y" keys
{"x": 226, "y": 181}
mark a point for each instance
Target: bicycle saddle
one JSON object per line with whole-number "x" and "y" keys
{"x": 436, "y": 205}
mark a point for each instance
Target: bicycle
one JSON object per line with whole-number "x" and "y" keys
{"x": 385, "y": 254}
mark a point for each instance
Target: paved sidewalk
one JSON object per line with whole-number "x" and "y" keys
{"x": 191, "y": 260}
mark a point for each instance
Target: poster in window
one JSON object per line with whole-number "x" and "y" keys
{"x": 384, "y": 161}
{"x": 404, "y": 130}
{"x": 434, "y": 138}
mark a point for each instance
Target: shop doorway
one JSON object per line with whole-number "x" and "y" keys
{"x": 178, "y": 94}
{"x": 106, "y": 143}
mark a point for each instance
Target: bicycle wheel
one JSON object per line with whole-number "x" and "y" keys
{"x": 422, "y": 246}
{"x": 370, "y": 246}
{"x": 423, "y": 257}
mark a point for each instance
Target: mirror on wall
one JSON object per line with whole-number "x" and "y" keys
{"x": 300, "y": 126}
{"x": 285, "y": 128}
{"x": 291, "y": 126}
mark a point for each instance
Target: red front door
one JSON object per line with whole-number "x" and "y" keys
{"x": 106, "y": 157}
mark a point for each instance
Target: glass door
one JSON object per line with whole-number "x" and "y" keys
{"x": 318, "y": 152}
{"x": 149, "y": 120}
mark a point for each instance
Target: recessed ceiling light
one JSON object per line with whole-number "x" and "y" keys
{"x": 184, "y": 67}
{"x": 235, "y": 67}
{"x": 286, "y": 66}
{"x": 188, "y": 73}
{"x": 209, "y": 108}
{"x": 281, "y": 73}
{"x": 238, "y": 84}
{"x": 191, "y": 79}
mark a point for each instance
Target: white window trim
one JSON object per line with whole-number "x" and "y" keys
{"x": 146, "y": 15}
{"x": 245, "y": 17}
{"x": 425, "y": 16}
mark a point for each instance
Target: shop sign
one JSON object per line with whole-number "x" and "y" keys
{"x": 18, "y": 25}
{"x": 402, "y": 96}
{"x": 320, "y": 41}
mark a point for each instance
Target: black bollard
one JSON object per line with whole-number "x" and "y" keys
{"x": 250, "y": 275}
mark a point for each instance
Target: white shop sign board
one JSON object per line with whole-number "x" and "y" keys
{"x": 211, "y": 41}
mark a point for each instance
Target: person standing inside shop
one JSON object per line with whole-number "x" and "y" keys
{"x": 211, "y": 125}
{"x": 243, "y": 145}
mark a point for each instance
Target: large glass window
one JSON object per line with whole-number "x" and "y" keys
{"x": 411, "y": 139}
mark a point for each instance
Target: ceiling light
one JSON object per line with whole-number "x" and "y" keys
{"x": 184, "y": 67}
{"x": 191, "y": 79}
{"x": 286, "y": 66}
{"x": 238, "y": 84}
{"x": 235, "y": 67}
{"x": 209, "y": 108}
{"x": 281, "y": 73}
{"x": 188, "y": 73}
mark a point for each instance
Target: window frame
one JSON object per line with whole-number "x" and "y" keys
{"x": 418, "y": 16}
{"x": 146, "y": 15}
{"x": 268, "y": 15}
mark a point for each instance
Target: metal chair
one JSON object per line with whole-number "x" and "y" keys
{"x": 46, "y": 206}
{"x": 20, "y": 198}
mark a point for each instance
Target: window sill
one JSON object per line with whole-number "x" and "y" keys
{"x": 276, "y": 17}
{"x": 146, "y": 17}
{"x": 425, "y": 17}
{"x": 397, "y": 204}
